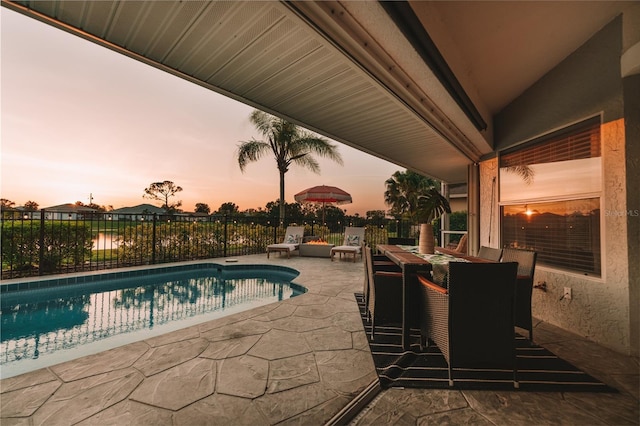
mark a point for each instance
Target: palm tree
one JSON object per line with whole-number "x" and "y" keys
{"x": 403, "y": 189}
{"x": 289, "y": 144}
{"x": 416, "y": 197}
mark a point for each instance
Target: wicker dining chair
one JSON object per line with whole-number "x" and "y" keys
{"x": 471, "y": 321}
{"x": 489, "y": 253}
{"x": 384, "y": 296}
{"x": 380, "y": 262}
{"x": 524, "y": 287}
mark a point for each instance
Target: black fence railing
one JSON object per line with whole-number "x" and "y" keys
{"x": 45, "y": 242}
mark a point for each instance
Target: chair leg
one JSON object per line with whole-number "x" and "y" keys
{"x": 372, "y": 325}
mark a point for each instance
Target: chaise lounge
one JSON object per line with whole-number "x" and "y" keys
{"x": 352, "y": 245}
{"x": 292, "y": 239}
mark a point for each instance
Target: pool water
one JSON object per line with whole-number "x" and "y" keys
{"x": 49, "y": 325}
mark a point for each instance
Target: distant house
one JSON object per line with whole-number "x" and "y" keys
{"x": 194, "y": 216}
{"x": 458, "y": 197}
{"x": 139, "y": 212}
{"x": 67, "y": 212}
{"x": 29, "y": 214}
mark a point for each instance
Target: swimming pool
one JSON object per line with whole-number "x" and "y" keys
{"x": 45, "y": 322}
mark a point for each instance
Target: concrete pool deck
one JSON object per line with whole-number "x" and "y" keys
{"x": 300, "y": 361}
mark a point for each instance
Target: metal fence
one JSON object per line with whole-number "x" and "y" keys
{"x": 44, "y": 242}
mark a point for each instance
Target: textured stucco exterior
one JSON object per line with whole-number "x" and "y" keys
{"x": 587, "y": 83}
{"x": 599, "y": 308}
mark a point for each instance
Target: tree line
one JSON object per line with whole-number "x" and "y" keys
{"x": 408, "y": 194}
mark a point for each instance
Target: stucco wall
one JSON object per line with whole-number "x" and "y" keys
{"x": 599, "y": 308}
{"x": 587, "y": 83}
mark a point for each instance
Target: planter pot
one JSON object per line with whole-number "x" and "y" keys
{"x": 426, "y": 243}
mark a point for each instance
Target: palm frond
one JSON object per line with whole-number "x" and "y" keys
{"x": 432, "y": 205}
{"x": 524, "y": 171}
{"x": 250, "y": 151}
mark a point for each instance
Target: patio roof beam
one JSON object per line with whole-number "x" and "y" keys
{"x": 407, "y": 21}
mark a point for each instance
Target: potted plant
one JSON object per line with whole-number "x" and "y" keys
{"x": 431, "y": 205}
{"x": 415, "y": 196}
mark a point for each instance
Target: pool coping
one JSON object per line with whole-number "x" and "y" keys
{"x": 50, "y": 281}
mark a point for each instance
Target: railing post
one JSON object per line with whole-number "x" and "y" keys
{"x": 226, "y": 236}
{"x": 41, "y": 243}
{"x": 153, "y": 239}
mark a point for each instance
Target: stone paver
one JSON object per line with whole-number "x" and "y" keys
{"x": 230, "y": 348}
{"x": 296, "y": 362}
{"x": 129, "y": 412}
{"x": 179, "y": 386}
{"x": 221, "y": 410}
{"x": 80, "y": 399}
{"x": 244, "y": 376}
{"x": 292, "y": 372}
{"x": 163, "y": 357}
{"x": 103, "y": 362}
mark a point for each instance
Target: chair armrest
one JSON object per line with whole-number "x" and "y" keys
{"x": 390, "y": 274}
{"x": 431, "y": 285}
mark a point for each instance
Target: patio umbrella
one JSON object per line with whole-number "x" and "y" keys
{"x": 323, "y": 194}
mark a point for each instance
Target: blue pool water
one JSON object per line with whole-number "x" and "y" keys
{"x": 59, "y": 320}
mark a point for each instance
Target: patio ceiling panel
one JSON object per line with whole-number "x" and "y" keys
{"x": 266, "y": 55}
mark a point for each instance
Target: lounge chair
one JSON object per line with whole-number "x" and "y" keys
{"x": 292, "y": 239}
{"x": 462, "y": 245}
{"x": 353, "y": 242}
{"x": 524, "y": 287}
{"x": 471, "y": 321}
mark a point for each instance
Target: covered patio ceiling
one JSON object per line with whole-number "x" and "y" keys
{"x": 346, "y": 69}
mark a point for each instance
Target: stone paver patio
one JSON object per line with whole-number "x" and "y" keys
{"x": 300, "y": 361}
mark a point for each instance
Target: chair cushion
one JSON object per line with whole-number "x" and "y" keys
{"x": 293, "y": 239}
{"x": 291, "y": 247}
{"x": 352, "y": 240}
{"x": 355, "y": 249}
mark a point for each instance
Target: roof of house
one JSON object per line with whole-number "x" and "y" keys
{"x": 70, "y": 208}
{"x": 140, "y": 209}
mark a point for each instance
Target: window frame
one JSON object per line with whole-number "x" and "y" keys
{"x": 599, "y": 195}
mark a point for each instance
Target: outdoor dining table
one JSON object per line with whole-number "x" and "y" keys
{"x": 411, "y": 262}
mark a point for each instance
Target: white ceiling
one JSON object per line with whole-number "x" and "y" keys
{"x": 344, "y": 69}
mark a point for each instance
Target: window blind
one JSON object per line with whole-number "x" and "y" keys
{"x": 581, "y": 142}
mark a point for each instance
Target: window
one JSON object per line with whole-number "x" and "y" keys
{"x": 550, "y": 198}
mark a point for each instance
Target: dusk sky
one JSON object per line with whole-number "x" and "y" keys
{"x": 79, "y": 119}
